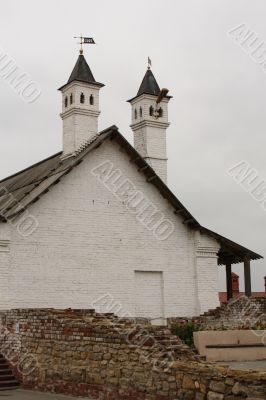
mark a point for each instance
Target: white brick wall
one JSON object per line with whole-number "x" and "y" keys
{"x": 5, "y": 231}
{"x": 80, "y": 120}
{"x": 150, "y": 132}
{"x": 207, "y": 276}
{"x": 88, "y": 245}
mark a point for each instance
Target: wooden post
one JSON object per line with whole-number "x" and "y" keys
{"x": 247, "y": 276}
{"x": 229, "y": 281}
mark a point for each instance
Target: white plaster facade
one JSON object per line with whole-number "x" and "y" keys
{"x": 89, "y": 250}
{"x": 88, "y": 246}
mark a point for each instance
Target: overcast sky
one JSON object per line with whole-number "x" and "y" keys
{"x": 218, "y": 110}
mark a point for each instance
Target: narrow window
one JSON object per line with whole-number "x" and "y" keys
{"x": 91, "y": 100}
{"x": 82, "y": 98}
{"x": 71, "y": 98}
{"x": 136, "y": 114}
{"x": 160, "y": 112}
{"x": 66, "y": 101}
{"x": 140, "y": 112}
{"x": 151, "y": 110}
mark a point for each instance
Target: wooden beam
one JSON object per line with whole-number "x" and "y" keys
{"x": 179, "y": 211}
{"x": 247, "y": 276}
{"x": 229, "y": 288}
{"x": 132, "y": 160}
{"x": 151, "y": 178}
{"x": 143, "y": 168}
{"x": 187, "y": 221}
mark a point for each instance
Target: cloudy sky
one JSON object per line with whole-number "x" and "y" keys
{"x": 218, "y": 110}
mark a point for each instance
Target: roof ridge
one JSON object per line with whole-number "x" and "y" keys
{"x": 86, "y": 143}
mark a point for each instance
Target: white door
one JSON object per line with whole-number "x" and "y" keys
{"x": 149, "y": 296}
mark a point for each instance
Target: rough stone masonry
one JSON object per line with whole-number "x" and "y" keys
{"x": 83, "y": 353}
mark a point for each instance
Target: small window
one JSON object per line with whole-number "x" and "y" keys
{"x": 151, "y": 111}
{"x": 82, "y": 98}
{"x": 91, "y": 100}
{"x": 66, "y": 101}
{"x": 140, "y": 112}
{"x": 71, "y": 98}
{"x": 160, "y": 112}
{"x": 136, "y": 114}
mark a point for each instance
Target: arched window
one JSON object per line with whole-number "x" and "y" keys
{"x": 136, "y": 114}
{"x": 71, "y": 98}
{"x": 151, "y": 110}
{"x": 160, "y": 112}
{"x": 91, "y": 100}
{"x": 82, "y": 98}
{"x": 140, "y": 112}
{"x": 66, "y": 101}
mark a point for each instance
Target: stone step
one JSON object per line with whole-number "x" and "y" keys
{"x": 7, "y": 388}
{"x": 4, "y": 372}
{"x": 9, "y": 384}
{"x": 7, "y": 377}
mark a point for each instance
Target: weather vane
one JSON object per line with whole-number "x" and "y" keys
{"x": 84, "y": 40}
{"x": 149, "y": 63}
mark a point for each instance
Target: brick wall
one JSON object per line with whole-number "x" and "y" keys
{"x": 85, "y": 247}
{"x": 88, "y": 354}
{"x": 240, "y": 313}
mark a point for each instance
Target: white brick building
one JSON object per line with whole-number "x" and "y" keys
{"x": 95, "y": 226}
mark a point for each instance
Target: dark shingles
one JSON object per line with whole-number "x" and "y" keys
{"x": 149, "y": 85}
{"x": 81, "y": 71}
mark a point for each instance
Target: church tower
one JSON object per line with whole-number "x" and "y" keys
{"x": 149, "y": 122}
{"x": 80, "y": 107}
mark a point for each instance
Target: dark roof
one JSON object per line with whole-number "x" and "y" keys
{"x": 82, "y": 73}
{"x": 149, "y": 85}
{"x": 27, "y": 186}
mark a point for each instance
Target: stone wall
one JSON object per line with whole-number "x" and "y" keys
{"x": 83, "y": 353}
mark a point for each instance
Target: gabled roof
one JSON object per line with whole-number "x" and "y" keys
{"x": 20, "y": 190}
{"x": 82, "y": 73}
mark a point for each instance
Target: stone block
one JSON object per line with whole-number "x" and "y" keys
{"x": 215, "y": 396}
{"x": 217, "y": 386}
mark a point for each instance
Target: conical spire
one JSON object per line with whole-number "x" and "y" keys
{"x": 81, "y": 71}
{"x": 149, "y": 85}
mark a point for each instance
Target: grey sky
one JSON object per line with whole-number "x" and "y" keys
{"x": 217, "y": 112}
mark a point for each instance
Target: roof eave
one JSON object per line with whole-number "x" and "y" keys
{"x": 149, "y": 94}
{"x": 98, "y": 84}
